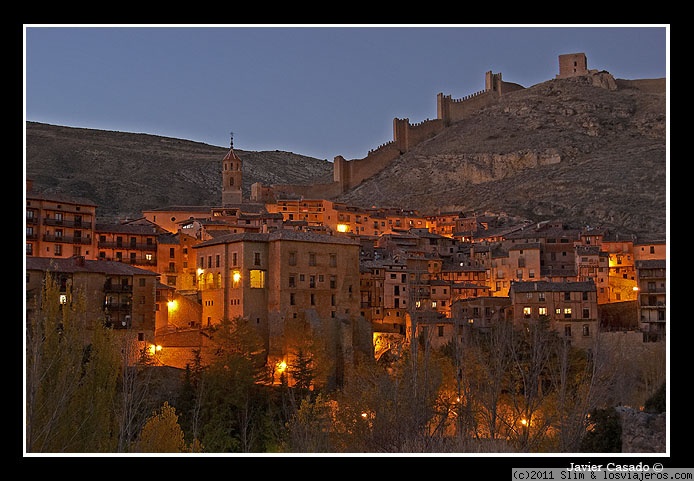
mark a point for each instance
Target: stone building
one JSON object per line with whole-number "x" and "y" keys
{"x": 570, "y": 307}
{"x": 116, "y": 294}
{"x": 281, "y": 279}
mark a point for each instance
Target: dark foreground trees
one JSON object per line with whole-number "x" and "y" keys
{"x": 509, "y": 389}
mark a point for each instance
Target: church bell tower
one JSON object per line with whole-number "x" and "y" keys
{"x": 231, "y": 177}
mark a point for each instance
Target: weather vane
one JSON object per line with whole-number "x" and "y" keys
{"x": 232, "y": 139}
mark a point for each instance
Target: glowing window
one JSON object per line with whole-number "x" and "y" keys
{"x": 527, "y": 311}
{"x": 257, "y": 279}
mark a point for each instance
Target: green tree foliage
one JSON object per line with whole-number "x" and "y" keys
{"x": 161, "y": 433}
{"x": 604, "y": 432}
{"x": 71, "y": 376}
{"x": 309, "y": 428}
{"x": 234, "y": 402}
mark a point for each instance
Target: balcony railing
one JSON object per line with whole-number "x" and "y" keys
{"x": 117, "y": 287}
{"x": 65, "y": 239}
{"x": 139, "y": 246}
{"x": 67, "y": 223}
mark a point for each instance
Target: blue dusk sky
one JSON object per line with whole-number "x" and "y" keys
{"x": 319, "y": 91}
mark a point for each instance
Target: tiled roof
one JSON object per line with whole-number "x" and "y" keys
{"x": 545, "y": 286}
{"x": 73, "y": 264}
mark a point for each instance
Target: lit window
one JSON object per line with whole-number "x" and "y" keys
{"x": 542, "y": 311}
{"x": 527, "y": 311}
{"x": 236, "y": 279}
{"x": 257, "y": 279}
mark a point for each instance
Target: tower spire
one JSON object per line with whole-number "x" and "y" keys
{"x": 231, "y": 142}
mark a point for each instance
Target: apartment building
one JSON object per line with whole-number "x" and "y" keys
{"x": 652, "y": 298}
{"x": 116, "y": 294}
{"x": 570, "y": 307}
{"x": 279, "y": 278}
{"x": 58, "y": 226}
{"x": 132, "y": 242}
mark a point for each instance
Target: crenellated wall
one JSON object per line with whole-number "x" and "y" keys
{"x": 350, "y": 173}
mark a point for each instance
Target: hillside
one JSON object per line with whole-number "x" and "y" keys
{"x": 126, "y": 173}
{"x": 560, "y": 150}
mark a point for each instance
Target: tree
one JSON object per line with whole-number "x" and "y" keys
{"x": 233, "y": 409}
{"x": 161, "y": 433}
{"x": 71, "y": 375}
{"x": 604, "y": 432}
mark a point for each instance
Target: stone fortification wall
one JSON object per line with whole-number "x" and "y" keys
{"x": 349, "y": 173}
{"x": 406, "y": 136}
{"x": 313, "y": 191}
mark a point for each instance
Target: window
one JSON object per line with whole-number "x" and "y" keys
{"x": 586, "y": 313}
{"x": 313, "y": 299}
{"x": 333, "y": 282}
{"x": 257, "y": 279}
{"x": 256, "y": 258}
{"x": 567, "y": 330}
{"x": 29, "y": 249}
{"x": 586, "y": 330}
{"x": 58, "y": 250}
{"x": 292, "y": 258}
{"x": 542, "y": 311}
{"x": 332, "y": 300}
{"x": 292, "y": 299}
{"x": 292, "y": 281}
{"x": 585, "y": 296}
{"x": 541, "y": 296}
{"x": 142, "y": 281}
{"x": 567, "y": 312}
{"x": 440, "y": 328}
{"x": 216, "y": 260}
{"x": 235, "y": 279}
{"x": 527, "y": 311}
{"x": 209, "y": 262}
{"x": 567, "y": 296}
{"x": 312, "y": 281}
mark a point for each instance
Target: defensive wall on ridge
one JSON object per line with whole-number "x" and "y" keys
{"x": 350, "y": 173}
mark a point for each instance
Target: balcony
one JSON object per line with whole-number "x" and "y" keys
{"x": 65, "y": 239}
{"x": 67, "y": 223}
{"x": 139, "y": 246}
{"x": 108, "y": 287}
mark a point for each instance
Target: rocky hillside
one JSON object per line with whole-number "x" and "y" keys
{"x": 587, "y": 150}
{"x": 563, "y": 149}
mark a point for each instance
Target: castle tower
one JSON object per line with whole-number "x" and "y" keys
{"x": 572, "y": 65}
{"x": 231, "y": 177}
